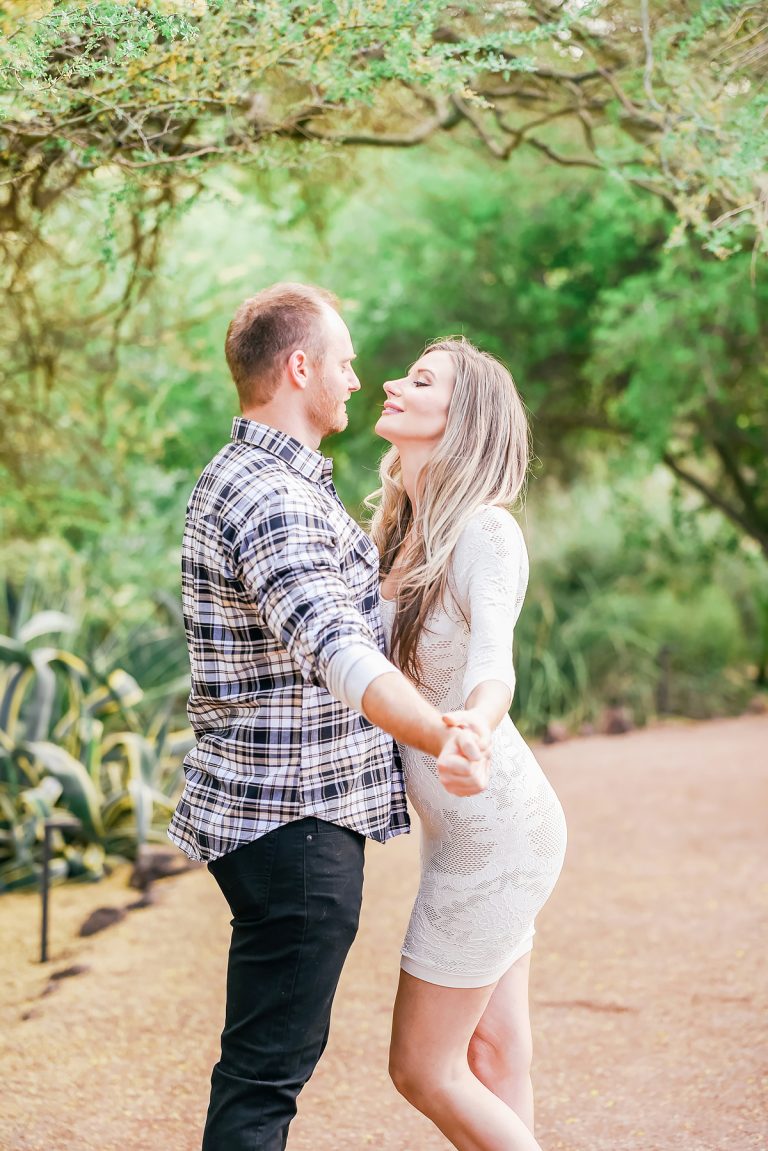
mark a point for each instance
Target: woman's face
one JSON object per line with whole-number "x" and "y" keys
{"x": 416, "y": 408}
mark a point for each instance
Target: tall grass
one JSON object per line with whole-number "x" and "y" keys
{"x": 636, "y": 599}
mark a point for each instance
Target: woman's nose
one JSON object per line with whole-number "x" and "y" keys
{"x": 392, "y": 387}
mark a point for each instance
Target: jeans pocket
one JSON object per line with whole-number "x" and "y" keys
{"x": 245, "y": 877}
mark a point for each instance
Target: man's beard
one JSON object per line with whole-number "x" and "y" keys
{"x": 327, "y": 411}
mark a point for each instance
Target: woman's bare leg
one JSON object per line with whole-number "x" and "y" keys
{"x": 431, "y": 1031}
{"x": 501, "y": 1048}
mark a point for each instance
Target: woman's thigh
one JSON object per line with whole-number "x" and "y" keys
{"x": 432, "y": 1025}
{"x": 505, "y": 1025}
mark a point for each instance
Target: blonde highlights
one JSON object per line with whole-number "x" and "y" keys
{"x": 482, "y": 459}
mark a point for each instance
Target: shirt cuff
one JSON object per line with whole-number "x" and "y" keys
{"x": 352, "y": 670}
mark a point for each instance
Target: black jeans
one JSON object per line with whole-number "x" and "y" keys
{"x": 295, "y": 898}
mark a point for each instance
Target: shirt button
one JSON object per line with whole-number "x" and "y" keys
{"x": 309, "y": 839}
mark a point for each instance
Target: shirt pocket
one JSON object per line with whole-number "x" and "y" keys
{"x": 360, "y": 571}
{"x": 363, "y": 549}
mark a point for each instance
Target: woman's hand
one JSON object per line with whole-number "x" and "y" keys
{"x": 471, "y": 719}
{"x": 464, "y": 764}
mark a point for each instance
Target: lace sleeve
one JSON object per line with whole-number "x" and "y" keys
{"x": 490, "y": 570}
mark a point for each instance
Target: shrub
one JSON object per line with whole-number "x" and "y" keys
{"x": 82, "y": 737}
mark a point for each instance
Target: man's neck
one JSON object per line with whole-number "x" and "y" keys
{"x": 291, "y": 423}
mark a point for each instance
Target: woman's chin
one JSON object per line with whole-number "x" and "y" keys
{"x": 380, "y": 428}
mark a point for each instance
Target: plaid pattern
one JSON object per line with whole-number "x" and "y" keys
{"x": 277, "y": 578}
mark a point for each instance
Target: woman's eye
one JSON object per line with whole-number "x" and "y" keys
{"x": 421, "y": 383}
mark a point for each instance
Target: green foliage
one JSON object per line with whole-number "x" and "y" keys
{"x": 159, "y": 91}
{"x": 144, "y": 62}
{"x": 79, "y": 736}
{"x": 119, "y": 267}
{"x": 616, "y": 338}
{"x": 679, "y": 362}
{"x": 633, "y": 602}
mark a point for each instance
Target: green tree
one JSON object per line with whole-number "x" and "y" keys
{"x": 670, "y": 96}
{"x": 680, "y": 362}
{"x": 619, "y": 340}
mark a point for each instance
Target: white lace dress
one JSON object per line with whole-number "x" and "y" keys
{"x": 488, "y": 862}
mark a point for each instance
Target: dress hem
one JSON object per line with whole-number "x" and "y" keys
{"x": 454, "y": 979}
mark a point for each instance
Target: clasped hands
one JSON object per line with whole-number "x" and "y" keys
{"x": 464, "y": 764}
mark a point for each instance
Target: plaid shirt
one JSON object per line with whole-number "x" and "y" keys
{"x": 276, "y": 579}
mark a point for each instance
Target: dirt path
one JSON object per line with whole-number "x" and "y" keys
{"x": 648, "y": 998}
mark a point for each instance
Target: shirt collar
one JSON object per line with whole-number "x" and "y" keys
{"x": 308, "y": 463}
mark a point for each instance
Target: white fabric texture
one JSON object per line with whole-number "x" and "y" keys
{"x": 490, "y": 861}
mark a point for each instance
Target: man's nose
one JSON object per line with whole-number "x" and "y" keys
{"x": 355, "y": 384}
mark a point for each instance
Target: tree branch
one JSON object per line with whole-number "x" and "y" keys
{"x": 745, "y": 491}
{"x": 446, "y": 118}
{"x": 501, "y": 152}
{"x": 713, "y": 496}
{"x": 565, "y": 161}
{"x": 648, "y": 70}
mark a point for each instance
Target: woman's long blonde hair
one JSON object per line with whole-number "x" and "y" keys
{"x": 482, "y": 459}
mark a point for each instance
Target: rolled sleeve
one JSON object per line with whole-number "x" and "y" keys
{"x": 352, "y": 671}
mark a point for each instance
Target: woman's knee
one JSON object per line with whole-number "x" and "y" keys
{"x": 498, "y": 1055}
{"x": 404, "y": 1073}
{"x": 414, "y": 1079}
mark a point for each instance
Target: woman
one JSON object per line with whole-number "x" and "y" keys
{"x": 455, "y": 571}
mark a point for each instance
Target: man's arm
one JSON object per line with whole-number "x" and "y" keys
{"x": 287, "y": 559}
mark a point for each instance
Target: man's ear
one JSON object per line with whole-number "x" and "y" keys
{"x": 298, "y": 369}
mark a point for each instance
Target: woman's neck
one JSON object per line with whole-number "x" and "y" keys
{"x": 412, "y": 461}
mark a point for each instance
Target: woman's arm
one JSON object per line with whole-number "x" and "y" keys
{"x": 487, "y": 704}
{"x": 490, "y": 571}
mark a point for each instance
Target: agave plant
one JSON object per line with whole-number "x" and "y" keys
{"x": 80, "y": 737}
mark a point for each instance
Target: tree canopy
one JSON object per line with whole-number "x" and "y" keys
{"x": 619, "y": 341}
{"x": 672, "y": 96}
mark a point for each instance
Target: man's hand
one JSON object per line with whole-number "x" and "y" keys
{"x": 464, "y": 764}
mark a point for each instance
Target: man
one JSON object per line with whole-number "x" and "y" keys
{"x": 291, "y": 699}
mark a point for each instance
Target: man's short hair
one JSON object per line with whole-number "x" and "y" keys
{"x": 266, "y": 329}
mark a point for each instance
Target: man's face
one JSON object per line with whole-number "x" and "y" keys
{"x": 334, "y": 380}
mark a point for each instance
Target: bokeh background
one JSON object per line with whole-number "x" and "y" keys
{"x": 578, "y": 187}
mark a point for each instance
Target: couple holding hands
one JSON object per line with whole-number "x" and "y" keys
{"x": 289, "y": 609}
